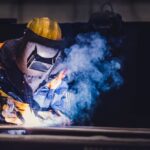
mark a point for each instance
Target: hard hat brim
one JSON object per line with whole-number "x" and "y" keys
{"x": 56, "y": 44}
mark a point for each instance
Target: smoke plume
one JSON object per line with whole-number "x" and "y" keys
{"x": 91, "y": 71}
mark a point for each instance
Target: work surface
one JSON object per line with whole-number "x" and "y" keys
{"x": 18, "y": 136}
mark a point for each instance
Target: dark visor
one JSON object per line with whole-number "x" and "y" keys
{"x": 36, "y": 62}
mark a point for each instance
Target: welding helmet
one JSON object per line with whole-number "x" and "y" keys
{"x": 43, "y": 46}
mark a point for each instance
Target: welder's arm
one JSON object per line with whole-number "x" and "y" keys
{"x": 19, "y": 113}
{"x": 53, "y": 97}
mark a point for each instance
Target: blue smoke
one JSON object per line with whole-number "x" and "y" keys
{"x": 91, "y": 71}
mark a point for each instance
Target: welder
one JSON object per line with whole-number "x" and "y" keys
{"x": 32, "y": 79}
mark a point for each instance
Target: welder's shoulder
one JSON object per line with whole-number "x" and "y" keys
{"x": 10, "y": 44}
{"x": 8, "y": 49}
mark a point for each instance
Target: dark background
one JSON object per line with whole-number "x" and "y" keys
{"x": 72, "y": 10}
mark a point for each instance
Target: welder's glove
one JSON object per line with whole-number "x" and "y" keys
{"x": 13, "y": 111}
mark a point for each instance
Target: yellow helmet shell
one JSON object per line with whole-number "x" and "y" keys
{"x": 45, "y": 27}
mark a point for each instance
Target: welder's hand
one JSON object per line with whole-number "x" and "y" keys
{"x": 54, "y": 119}
{"x": 63, "y": 119}
{"x": 13, "y": 111}
{"x": 10, "y": 116}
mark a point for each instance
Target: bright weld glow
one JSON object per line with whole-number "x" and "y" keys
{"x": 46, "y": 119}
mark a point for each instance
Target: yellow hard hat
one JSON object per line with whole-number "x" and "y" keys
{"x": 45, "y": 27}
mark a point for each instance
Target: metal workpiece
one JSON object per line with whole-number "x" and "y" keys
{"x": 76, "y": 136}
